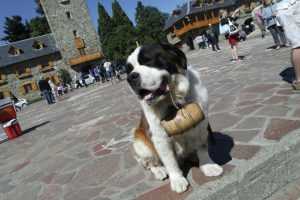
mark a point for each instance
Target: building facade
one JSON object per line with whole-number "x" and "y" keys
{"x": 192, "y": 18}
{"x": 73, "y": 45}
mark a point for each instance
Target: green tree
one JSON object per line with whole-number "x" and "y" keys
{"x": 106, "y": 32}
{"x": 125, "y": 33}
{"x": 149, "y": 23}
{"x": 39, "y": 26}
{"x": 65, "y": 76}
{"x": 14, "y": 29}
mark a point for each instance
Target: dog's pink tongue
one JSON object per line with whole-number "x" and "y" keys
{"x": 164, "y": 87}
{"x": 148, "y": 96}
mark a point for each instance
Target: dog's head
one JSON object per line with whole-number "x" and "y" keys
{"x": 155, "y": 70}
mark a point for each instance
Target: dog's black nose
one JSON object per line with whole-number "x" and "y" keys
{"x": 134, "y": 80}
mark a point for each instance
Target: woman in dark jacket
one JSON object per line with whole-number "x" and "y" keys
{"x": 233, "y": 39}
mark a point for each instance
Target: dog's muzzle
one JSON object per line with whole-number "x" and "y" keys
{"x": 134, "y": 80}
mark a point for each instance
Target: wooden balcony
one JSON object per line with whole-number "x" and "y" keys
{"x": 195, "y": 25}
{"x": 85, "y": 58}
{"x": 24, "y": 75}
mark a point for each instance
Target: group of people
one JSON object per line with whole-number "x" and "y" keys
{"x": 266, "y": 16}
{"x": 209, "y": 39}
{"x": 282, "y": 20}
{"x": 52, "y": 91}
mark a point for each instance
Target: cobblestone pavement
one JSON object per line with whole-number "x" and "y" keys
{"x": 80, "y": 148}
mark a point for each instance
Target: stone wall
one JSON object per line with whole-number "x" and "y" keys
{"x": 63, "y": 26}
{"x": 13, "y": 83}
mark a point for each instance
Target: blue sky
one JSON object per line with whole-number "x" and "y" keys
{"x": 26, "y": 8}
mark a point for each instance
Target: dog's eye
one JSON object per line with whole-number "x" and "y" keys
{"x": 129, "y": 68}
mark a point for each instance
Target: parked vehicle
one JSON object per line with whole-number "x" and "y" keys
{"x": 89, "y": 79}
{"x": 21, "y": 103}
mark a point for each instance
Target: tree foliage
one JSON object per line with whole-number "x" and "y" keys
{"x": 65, "y": 76}
{"x": 149, "y": 22}
{"x": 39, "y": 26}
{"x": 106, "y": 32}
{"x": 118, "y": 35}
{"x": 125, "y": 33}
{"x": 14, "y": 29}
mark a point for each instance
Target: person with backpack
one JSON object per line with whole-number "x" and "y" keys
{"x": 232, "y": 35}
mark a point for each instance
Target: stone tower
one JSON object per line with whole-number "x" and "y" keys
{"x": 73, "y": 30}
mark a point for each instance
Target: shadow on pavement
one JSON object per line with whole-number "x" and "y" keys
{"x": 288, "y": 74}
{"x": 219, "y": 153}
{"x": 274, "y": 46}
{"x": 34, "y": 127}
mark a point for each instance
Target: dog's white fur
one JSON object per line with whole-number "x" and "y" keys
{"x": 184, "y": 88}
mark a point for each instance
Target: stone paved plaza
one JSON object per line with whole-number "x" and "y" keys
{"x": 80, "y": 148}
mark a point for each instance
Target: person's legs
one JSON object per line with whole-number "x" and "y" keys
{"x": 274, "y": 34}
{"x": 213, "y": 46}
{"x": 295, "y": 57}
{"x": 232, "y": 53}
{"x": 217, "y": 45}
{"x": 83, "y": 81}
{"x": 262, "y": 29}
{"x": 282, "y": 35}
{"x": 235, "y": 52}
{"x": 47, "y": 96}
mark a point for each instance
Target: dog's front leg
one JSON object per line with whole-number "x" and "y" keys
{"x": 164, "y": 148}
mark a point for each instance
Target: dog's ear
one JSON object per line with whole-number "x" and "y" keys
{"x": 176, "y": 56}
{"x": 163, "y": 55}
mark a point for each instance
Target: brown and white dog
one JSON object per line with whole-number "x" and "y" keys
{"x": 158, "y": 75}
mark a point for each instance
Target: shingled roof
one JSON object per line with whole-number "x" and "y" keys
{"x": 28, "y": 52}
{"x": 188, "y": 9}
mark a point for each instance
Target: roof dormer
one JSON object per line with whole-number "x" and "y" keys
{"x": 14, "y": 51}
{"x": 176, "y": 12}
{"x": 197, "y": 3}
{"x": 38, "y": 45}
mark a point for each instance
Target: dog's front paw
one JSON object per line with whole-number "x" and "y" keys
{"x": 159, "y": 172}
{"x": 179, "y": 184}
{"x": 212, "y": 169}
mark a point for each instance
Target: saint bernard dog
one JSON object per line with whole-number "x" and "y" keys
{"x": 159, "y": 77}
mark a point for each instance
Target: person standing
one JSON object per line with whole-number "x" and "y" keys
{"x": 96, "y": 74}
{"x": 54, "y": 89}
{"x": 83, "y": 79}
{"x": 45, "y": 89}
{"x": 234, "y": 38}
{"x": 200, "y": 41}
{"x": 212, "y": 37}
{"x": 107, "y": 66}
{"x": 260, "y": 22}
{"x": 77, "y": 82}
{"x": 269, "y": 14}
{"x": 288, "y": 14}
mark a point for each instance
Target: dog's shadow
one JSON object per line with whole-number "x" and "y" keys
{"x": 218, "y": 152}
{"x": 288, "y": 74}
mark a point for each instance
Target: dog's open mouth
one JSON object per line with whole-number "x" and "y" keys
{"x": 149, "y": 95}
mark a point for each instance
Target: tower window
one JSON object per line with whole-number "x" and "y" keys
{"x": 68, "y": 15}
{"x": 65, "y": 1}
{"x": 75, "y": 33}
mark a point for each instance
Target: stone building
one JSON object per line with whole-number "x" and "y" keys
{"x": 73, "y": 45}
{"x": 192, "y": 18}
{"x": 74, "y": 33}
